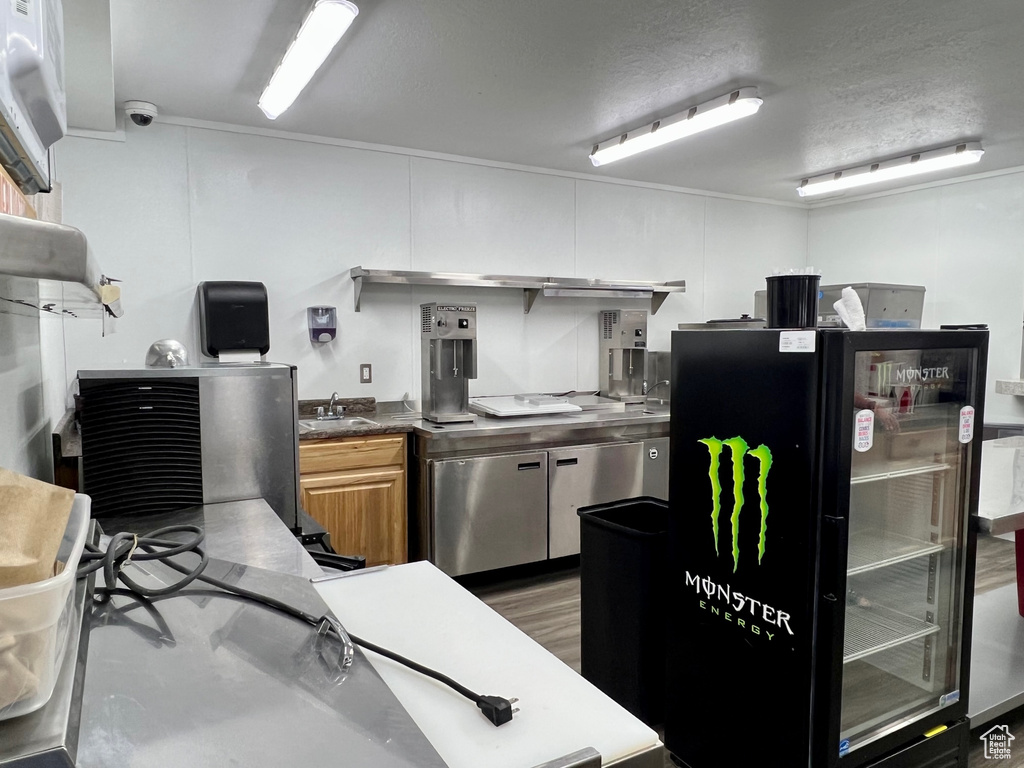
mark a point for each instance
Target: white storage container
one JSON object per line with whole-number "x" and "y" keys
{"x": 34, "y": 623}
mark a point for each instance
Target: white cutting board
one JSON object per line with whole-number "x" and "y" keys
{"x": 514, "y": 405}
{"x": 419, "y": 612}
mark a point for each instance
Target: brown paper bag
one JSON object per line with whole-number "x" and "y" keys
{"x": 33, "y": 516}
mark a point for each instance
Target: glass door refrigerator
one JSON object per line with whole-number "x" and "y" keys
{"x": 822, "y": 561}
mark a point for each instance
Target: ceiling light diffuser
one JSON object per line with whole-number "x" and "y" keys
{"x": 724, "y": 109}
{"x": 323, "y": 27}
{"x": 911, "y": 165}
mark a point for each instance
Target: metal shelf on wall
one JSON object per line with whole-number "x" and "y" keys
{"x": 49, "y": 268}
{"x": 1010, "y": 387}
{"x": 532, "y": 287}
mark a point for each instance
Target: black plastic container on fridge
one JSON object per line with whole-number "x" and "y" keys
{"x": 793, "y": 301}
{"x": 820, "y": 552}
{"x": 623, "y": 550}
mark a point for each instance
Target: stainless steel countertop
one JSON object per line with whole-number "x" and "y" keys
{"x": 247, "y": 532}
{"x": 388, "y": 423}
{"x": 212, "y": 679}
{"x": 512, "y": 425}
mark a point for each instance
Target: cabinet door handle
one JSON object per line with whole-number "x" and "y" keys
{"x": 833, "y": 554}
{"x": 566, "y": 462}
{"x": 529, "y": 465}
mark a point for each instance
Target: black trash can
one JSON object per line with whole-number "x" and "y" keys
{"x": 623, "y": 563}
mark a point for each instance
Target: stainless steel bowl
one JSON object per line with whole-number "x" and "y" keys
{"x": 166, "y": 353}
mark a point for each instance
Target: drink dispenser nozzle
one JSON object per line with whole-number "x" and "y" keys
{"x": 455, "y": 358}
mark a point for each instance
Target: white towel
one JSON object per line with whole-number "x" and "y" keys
{"x": 850, "y": 310}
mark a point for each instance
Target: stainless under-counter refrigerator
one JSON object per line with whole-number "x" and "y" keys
{"x": 822, "y": 560}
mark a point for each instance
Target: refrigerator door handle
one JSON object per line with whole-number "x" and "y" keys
{"x": 833, "y": 557}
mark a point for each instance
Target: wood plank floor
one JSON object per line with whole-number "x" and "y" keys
{"x": 546, "y": 606}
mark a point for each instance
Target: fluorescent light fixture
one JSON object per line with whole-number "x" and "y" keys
{"x": 724, "y": 109}
{"x": 323, "y": 27}
{"x": 911, "y": 165}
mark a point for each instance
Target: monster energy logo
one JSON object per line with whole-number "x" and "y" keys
{"x": 738, "y": 448}
{"x": 733, "y": 606}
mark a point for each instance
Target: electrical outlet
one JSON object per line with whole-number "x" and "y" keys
{"x": 365, "y": 373}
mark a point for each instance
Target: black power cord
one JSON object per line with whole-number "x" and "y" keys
{"x": 126, "y": 548}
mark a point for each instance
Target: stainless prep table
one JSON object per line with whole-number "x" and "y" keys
{"x": 997, "y": 652}
{"x": 213, "y": 680}
{"x": 209, "y": 680}
{"x": 502, "y": 492}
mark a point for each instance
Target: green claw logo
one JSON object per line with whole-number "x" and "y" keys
{"x": 738, "y": 448}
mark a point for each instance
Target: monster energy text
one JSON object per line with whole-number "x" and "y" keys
{"x": 738, "y": 448}
{"x": 738, "y": 607}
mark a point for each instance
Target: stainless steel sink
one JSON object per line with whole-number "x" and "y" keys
{"x": 326, "y": 425}
{"x": 657, "y": 410}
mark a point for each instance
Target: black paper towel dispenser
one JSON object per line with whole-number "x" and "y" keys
{"x": 233, "y": 316}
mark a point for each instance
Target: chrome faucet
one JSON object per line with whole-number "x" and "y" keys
{"x": 647, "y": 390}
{"x": 333, "y": 411}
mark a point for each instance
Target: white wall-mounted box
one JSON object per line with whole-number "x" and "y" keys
{"x": 33, "y": 104}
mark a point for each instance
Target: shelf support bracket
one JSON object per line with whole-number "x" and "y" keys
{"x": 357, "y": 290}
{"x": 529, "y": 296}
{"x": 657, "y": 299}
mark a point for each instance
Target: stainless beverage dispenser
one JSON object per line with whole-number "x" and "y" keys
{"x": 447, "y": 360}
{"x": 623, "y": 360}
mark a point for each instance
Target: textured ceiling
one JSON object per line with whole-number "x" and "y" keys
{"x": 538, "y": 82}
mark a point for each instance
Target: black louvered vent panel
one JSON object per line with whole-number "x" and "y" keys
{"x": 141, "y": 448}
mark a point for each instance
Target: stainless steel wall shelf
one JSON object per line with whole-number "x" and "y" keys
{"x": 41, "y": 252}
{"x": 531, "y": 286}
{"x": 1010, "y": 387}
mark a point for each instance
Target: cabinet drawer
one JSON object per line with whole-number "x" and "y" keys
{"x": 349, "y": 478}
{"x": 364, "y": 511}
{"x": 350, "y": 453}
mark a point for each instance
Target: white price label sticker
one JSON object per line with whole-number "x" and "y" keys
{"x": 966, "y": 424}
{"x": 797, "y": 341}
{"x": 864, "y": 431}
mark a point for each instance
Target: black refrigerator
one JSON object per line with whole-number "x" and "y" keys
{"x": 821, "y": 557}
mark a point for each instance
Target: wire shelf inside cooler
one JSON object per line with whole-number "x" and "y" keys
{"x": 874, "y": 628}
{"x": 875, "y": 548}
{"x": 873, "y": 472}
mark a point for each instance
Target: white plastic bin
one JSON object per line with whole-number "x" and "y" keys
{"x": 34, "y": 622}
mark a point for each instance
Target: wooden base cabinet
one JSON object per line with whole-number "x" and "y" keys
{"x": 355, "y": 487}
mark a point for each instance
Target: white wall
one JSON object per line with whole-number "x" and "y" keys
{"x": 964, "y": 242}
{"x": 24, "y": 429}
{"x": 172, "y": 206}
